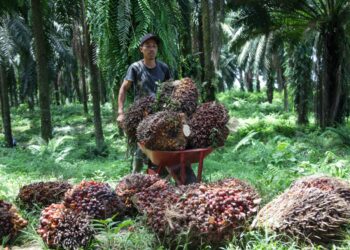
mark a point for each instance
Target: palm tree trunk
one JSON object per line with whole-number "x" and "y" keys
{"x": 282, "y": 85}
{"x": 241, "y": 80}
{"x": 69, "y": 89}
{"x": 207, "y": 48}
{"x": 301, "y": 103}
{"x": 5, "y": 107}
{"x": 84, "y": 88}
{"x": 57, "y": 91}
{"x": 299, "y": 77}
{"x": 270, "y": 87}
{"x": 91, "y": 51}
{"x": 75, "y": 78}
{"x": 330, "y": 97}
{"x": 185, "y": 37}
{"x": 40, "y": 42}
{"x": 249, "y": 81}
{"x": 258, "y": 88}
{"x": 336, "y": 88}
{"x": 195, "y": 43}
{"x": 82, "y": 59}
{"x": 102, "y": 86}
{"x": 201, "y": 46}
{"x": 11, "y": 81}
{"x": 218, "y": 17}
{"x": 15, "y": 93}
{"x": 285, "y": 96}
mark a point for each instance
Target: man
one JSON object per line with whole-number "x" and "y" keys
{"x": 143, "y": 76}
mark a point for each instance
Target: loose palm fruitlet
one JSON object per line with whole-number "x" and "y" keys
{"x": 180, "y": 95}
{"x": 96, "y": 199}
{"x": 135, "y": 114}
{"x": 310, "y": 210}
{"x": 61, "y": 227}
{"x": 213, "y": 213}
{"x": 43, "y": 193}
{"x": 133, "y": 184}
{"x": 10, "y": 221}
{"x": 164, "y": 131}
{"x": 208, "y": 126}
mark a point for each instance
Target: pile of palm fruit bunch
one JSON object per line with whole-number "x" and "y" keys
{"x": 62, "y": 227}
{"x": 135, "y": 114}
{"x": 213, "y": 213}
{"x": 210, "y": 213}
{"x": 10, "y": 221}
{"x": 180, "y": 123}
{"x": 180, "y": 96}
{"x": 97, "y": 199}
{"x": 68, "y": 224}
{"x": 43, "y": 193}
{"x": 164, "y": 131}
{"x": 155, "y": 200}
{"x": 133, "y": 184}
{"x": 208, "y": 126}
{"x": 314, "y": 209}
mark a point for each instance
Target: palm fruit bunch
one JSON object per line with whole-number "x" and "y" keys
{"x": 180, "y": 95}
{"x": 164, "y": 131}
{"x": 61, "y": 227}
{"x": 311, "y": 210}
{"x": 213, "y": 213}
{"x": 133, "y": 184}
{"x": 164, "y": 96}
{"x": 341, "y": 187}
{"x": 135, "y": 114}
{"x": 154, "y": 201}
{"x": 10, "y": 221}
{"x": 97, "y": 199}
{"x": 43, "y": 193}
{"x": 208, "y": 126}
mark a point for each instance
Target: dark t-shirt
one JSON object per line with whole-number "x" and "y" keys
{"x": 145, "y": 80}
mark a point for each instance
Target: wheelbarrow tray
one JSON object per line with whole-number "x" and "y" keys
{"x": 174, "y": 159}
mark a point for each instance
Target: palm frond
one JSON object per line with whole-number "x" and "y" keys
{"x": 260, "y": 53}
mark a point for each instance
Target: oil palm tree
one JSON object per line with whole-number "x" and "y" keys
{"x": 6, "y": 48}
{"x": 324, "y": 23}
{"x": 41, "y": 55}
{"x": 260, "y": 50}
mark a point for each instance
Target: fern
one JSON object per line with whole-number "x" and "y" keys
{"x": 343, "y": 133}
{"x": 245, "y": 140}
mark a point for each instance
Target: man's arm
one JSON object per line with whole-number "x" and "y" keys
{"x": 121, "y": 99}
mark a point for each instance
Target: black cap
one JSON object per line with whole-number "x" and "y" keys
{"x": 148, "y": 37}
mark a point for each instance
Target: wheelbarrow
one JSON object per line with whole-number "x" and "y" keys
{"x": 170, "y": 160}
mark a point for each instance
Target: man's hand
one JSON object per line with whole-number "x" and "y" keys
{"x": 120, "y": 120}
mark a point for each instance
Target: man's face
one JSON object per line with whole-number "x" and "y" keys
{"x": 149, "y": 49}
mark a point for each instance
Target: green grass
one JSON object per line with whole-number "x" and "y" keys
{"x": 266, "y": 148}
